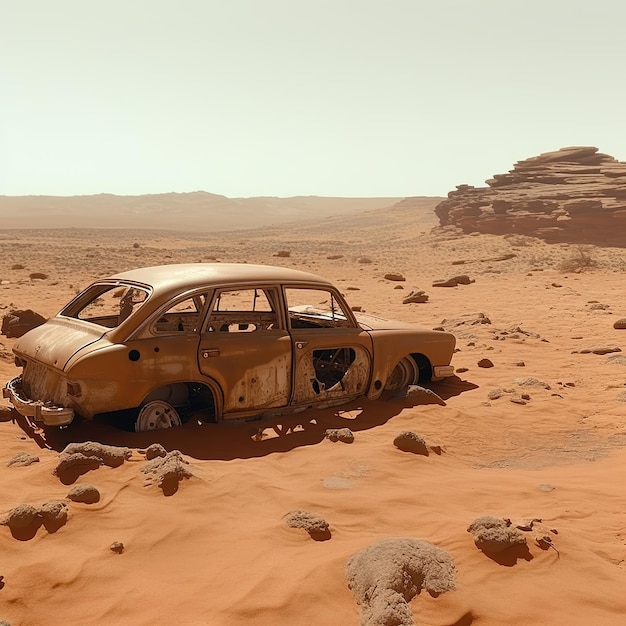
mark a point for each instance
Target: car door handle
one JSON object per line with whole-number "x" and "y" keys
{"x": 301, "y": 344}
{"x": 209, "y": 353}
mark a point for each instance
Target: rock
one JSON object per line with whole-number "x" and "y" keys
{"x": 529, "y": 381}
{"x": 168, "y": 471}
{"x": 317, "y": 527}
{"x": 575, "y": 195}
{"x": 620, "y": 324}
{"x": 285, "y": 254}
{"x": 411, "y": 442}
{"x": 88, "y": 494}
{"x": 339, "y": 434}
{"x": 463, "y": 279}
{"x": 387, "y": 575}
{"x": 415, "y": 394}
{"x": 22, "y": 516}
{"x": 22, "y": 460}
{"x": 493, "y": 535}
{"x": 494, "y": 394}
{"x": 71, "y": 466}
{"x": 117, "y": 547}
{"x": 113, "y": 456}
{"x": 54, "y": 515}
{"x": 396, "y": 277}
{"x": 416, "y": 295}
{"x": 600, "y": 350}
{"x": 38, "y": 276}
{"x": 485, "y": 363}
{"x": 466, "y": 320}
{"x": 155, "y": 450}
{"x": 17, "y": 323}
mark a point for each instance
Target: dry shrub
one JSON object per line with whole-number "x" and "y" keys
{"x": 578, "y": 262}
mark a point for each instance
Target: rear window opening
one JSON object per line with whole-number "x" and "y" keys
{"x": 106, "y": 304}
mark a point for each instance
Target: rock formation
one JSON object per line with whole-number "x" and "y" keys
{"x": 573, "y": 195}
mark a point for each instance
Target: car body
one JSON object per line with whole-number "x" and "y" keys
{"x": 224, "y": 339}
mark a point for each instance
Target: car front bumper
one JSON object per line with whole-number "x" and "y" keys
{"x": 42, "y": 412}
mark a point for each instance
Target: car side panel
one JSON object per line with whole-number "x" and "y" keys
{"x": 390, "y": 346}
{"x": 253, "y": 369}
{"x": 351, "y": 379}
{"x": 137, "y": 368}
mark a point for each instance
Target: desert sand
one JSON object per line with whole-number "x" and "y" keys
{"x": 539, "y": 438}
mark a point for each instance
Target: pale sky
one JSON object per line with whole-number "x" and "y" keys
{"x": 300, "y": 97}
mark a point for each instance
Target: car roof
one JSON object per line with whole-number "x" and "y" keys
{"x": 185, "y": 276}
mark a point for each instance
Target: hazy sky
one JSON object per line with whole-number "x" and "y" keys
{"x": 300, "y": 97}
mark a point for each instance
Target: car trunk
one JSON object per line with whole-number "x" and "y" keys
{"x": 54, "y": 343}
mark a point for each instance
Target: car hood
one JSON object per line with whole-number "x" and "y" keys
{"x": 371, "y": 322}
{"x": 55, "y": 342}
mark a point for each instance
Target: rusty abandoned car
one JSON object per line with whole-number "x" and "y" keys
{"x": 217, "y": 339}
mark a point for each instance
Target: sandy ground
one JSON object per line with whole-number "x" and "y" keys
{"x": 218, "y": 551}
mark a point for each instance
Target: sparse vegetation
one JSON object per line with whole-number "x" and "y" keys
{"x": 578, "y": 262}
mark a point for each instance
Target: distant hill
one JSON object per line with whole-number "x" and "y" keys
{"x": 198, "y": 211}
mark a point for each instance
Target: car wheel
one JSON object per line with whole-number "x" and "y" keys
{"x": 156, "y": 415}
{"x": 405, "y": 373}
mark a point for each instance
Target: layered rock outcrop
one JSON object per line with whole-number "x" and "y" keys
{"x": 574, "y": 195}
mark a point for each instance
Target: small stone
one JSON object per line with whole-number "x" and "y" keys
{"x": 54, "y": 515}
{"x": 411, "y": 442}
{"x": 518, "y": 400}
{"x": 417, "y": 295}
{"x": 485, "y": 363}
{"x": 88, "y": 494}
{"x": 494, "y": 394}
{"x": 317, "y": 527}
{"x": 529, "y": 381}
{"x": 601, "y": 350}
{"x": 117, "y": 547}
{"x": 620, "y": 324}
{"x": 22, "y": 516}
{"x": 493, "y": 535}
{"x": 155, "y": 450}
{"x": 462, "y": 370}
{"x": 339, "y": 434}
{"x": 396, "y": 277}
{"x": 22, "y": 460}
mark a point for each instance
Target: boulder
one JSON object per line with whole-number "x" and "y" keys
{"x": 17, "y": 323}
{"x": 572, "y": 195}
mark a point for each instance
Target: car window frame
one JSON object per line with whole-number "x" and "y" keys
{"x": 349, "y": 315}
{"x": 277, "y": 302}
{"x": 80, "y": 301}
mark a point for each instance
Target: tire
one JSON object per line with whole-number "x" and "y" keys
{"x": 405, "y": 373}
{"x": 156, "y": 415}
